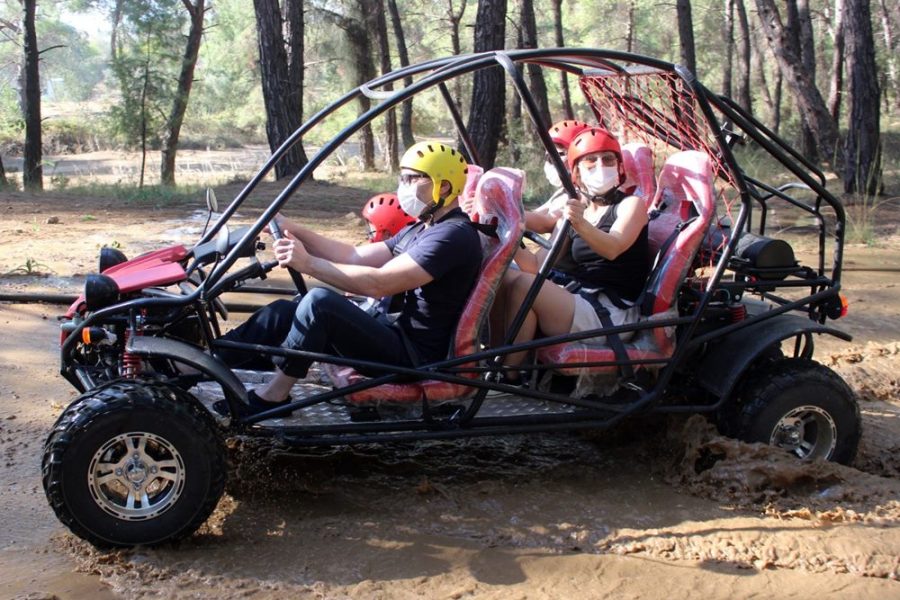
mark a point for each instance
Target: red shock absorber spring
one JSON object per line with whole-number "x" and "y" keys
{"x": 738, "y": 311}
{"x": 131, "y": 364}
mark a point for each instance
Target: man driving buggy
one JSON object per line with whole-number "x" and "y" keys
{"x": 433, "y": 264}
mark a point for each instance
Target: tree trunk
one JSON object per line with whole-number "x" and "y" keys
{"x": 515, "y": 128}
{"x": 728, "y": 39}
{"x": 280, "y": 94}
{"x": 779, "y": 93}
{"x": 390, "y": 119}
{"x": 455, "y": 17}
{"x": 629, "y": 31}
{"x": 364, "y": 67}
{"x": 891, "y": 58}
{"x": 809, "y": 100}
{"x": 686, "y": 35}
{"x": 744, "y": 97}
{"x": 836, "y": 85}
{"x": 862, "y": 147}
{"x": 535, "y": 75}
{"x": 488, "y": 90}
{"x": 183, "y": 92}
{"x": 144, "y": 117}
{"x": 295, "y": 32}
{"x": 3, "y": 180}
{"x": 115, "y": 20}
{"x": 406, "y": 131}
{"x": 32, "y": 171}
{"x": 560, "y": 42}
{"x": 799, "y": 22}
{"x": 759, "y": 63}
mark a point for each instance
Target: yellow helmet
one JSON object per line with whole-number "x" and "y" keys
{"x": 440, "y": 163}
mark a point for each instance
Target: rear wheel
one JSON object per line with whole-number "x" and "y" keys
{"x": 133, "y": 463}
{"x": 801, "y": 406}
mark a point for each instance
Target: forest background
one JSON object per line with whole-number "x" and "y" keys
{"x": 162, "y": 75}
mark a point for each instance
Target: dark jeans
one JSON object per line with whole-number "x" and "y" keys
{"x": 268, "y": 326}
{"x": 323, "y": 321}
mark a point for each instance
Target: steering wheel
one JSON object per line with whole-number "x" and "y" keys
{"x": 296, "y": 277}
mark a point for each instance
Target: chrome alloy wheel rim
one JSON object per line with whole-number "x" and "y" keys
{"x": 136, "y": 476}
{"x": 807, "y": 431}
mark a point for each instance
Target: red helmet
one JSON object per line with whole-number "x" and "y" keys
{"x": 564, "y": 132}
{"x": 595, "y": 139}
{"x": 384, "y": 216}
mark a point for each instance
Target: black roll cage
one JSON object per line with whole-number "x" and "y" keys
{"x": 576, "y": 61}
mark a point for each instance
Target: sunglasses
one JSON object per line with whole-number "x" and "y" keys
{"x": 410, "y": 178}
{"x": 562, "y": 156}
{"x": 607, "y": 160}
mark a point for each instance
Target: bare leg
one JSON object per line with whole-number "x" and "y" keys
{"x": 551, "y": 313}
{"x": 500, "y": 308}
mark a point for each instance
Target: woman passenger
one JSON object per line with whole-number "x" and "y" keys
{"x": 607, "y": 244}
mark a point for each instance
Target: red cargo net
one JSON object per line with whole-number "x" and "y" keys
{"x": 658, "y": 108}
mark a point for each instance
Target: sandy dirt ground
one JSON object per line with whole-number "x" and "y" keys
{"x": 638, "y": 513}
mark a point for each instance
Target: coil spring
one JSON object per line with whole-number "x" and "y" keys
{"x": 738, "y": 312}
{"x": 131, "y": 364}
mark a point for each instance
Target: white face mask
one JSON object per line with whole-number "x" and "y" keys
{"x": 599, "y": 180}
{"x": 552, "y": 175}
{"x": 409, "y": 200}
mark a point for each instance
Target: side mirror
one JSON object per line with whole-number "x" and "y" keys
{"x": 222, "y": 241}
{"x": 211, "y": 203}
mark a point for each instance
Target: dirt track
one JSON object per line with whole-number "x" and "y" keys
{"x": 636, "y": 514}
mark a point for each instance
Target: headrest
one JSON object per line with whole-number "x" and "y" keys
{"x": 498, "y": 199}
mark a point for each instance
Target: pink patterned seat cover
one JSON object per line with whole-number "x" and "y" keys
{"x": 498, "y": 200}
{"x": 640, "y": 176}
{"x": 685, "y": 181}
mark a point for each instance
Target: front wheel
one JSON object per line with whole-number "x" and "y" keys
{"x": 133, "y": 463}
{"x": 801, "y": 406}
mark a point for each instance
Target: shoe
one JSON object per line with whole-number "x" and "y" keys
{"x": 254, "y": 405}
{"x": 506, "y": 380}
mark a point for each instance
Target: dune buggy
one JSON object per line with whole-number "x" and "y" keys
{"x": 728, "y": 314}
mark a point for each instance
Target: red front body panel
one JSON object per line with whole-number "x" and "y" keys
{"x": 160, "y": 267}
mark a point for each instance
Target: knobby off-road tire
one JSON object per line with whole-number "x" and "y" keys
{"x": 800, "y": 405}
{"x": 134, "y": 463}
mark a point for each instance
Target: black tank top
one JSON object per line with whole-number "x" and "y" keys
{"x": 625, "y": 275}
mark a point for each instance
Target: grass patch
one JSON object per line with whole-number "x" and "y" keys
{"x": 159, "y": 196}
{"x": 862, "y": 218}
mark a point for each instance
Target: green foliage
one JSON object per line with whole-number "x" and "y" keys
{"x": 12, "y": 127}
{"x": 31, "y": 267}
{"x": 146, "y": 67}
{"x": 226, "y": 101}
{"x": 73, "y": 70}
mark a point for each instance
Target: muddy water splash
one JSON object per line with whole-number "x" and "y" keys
{"x": 410, "y": 519}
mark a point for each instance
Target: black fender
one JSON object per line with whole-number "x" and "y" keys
{"x": 727, "y": 360}
{"x": 181, "y": 352}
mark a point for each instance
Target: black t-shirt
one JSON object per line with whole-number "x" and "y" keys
{"x": 450, "y": 251}
{"x": 625, "y": 275}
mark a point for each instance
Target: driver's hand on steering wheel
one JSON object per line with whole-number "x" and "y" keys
{"x": 289, "y": 252}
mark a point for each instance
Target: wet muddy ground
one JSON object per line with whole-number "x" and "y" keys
{"x": 660, "y": 508}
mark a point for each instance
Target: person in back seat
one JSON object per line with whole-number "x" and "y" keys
{"x": 433, "y": 263}
{"x": 384, "y": 217}
{"x": 543, "y": 218}
{"x": 607, "y": 245}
